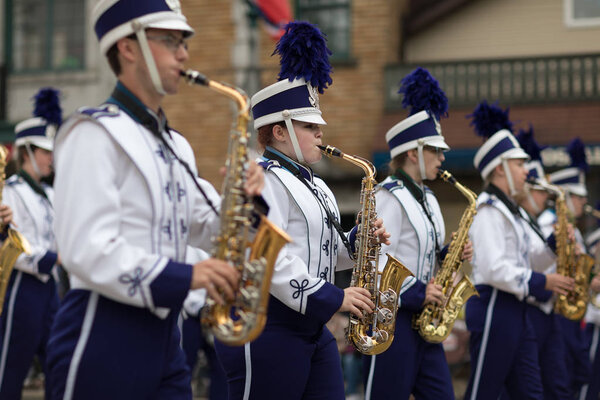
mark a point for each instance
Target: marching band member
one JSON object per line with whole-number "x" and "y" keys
{"x": 572, "y": 181}
{"x": 502, "y": 342}
{"x": 591, "y": 390}
{"x": 551, "y": 350}
{"x": 296, "y": 356}
{"x": 416, "y": 225}
{"x": 31, "y": 298}
{"x": 128, "y": 203}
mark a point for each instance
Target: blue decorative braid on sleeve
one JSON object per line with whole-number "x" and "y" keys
{"x": 172, "y": 285}
{"x": 537, "y": 287}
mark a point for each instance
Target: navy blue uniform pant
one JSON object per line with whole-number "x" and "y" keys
{"x": 29, "y": 308}
{"x": 409, "y": 365}
{"x": 102, "y": 349}
{"x": 194, "y": 340}
{"x": 503, "y": 347}
{"x": 577, "y": 359}
{"x": 591, "y": 391}
{"x": 294, "y": 358}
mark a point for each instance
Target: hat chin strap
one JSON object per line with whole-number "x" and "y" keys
{"x": 509, "y": 178}
{"x": 140, "y": 32}
{"x": 421, "y": 160}
{"x": 532, "y": 202}
{"x": 36, "y": 169}
{"x": 290, "y": 127}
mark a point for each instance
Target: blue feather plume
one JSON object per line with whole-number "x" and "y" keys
{"x": 304, "y": 54}
{"x": 422, "y": 92}
{"x": 529, "y": 144}
{"x": 576, "y": 150}
{"x": 489, "y": 119}
{"x": 47, "y": 105}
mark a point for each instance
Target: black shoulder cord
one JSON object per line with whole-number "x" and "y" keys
{"x": 151, "y": 124}
{"x": 330, "y": 217}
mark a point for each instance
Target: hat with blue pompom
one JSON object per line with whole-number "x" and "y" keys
{"x": 535, "y": 167}
{"x": 304, "y": 73}
{"x": 572, "y": 179}
{"x": 40, "y": 130}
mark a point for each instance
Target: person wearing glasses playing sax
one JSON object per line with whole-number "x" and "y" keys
{"x": 503, "y": 347}
{"x": 551, "y": 349}
{"x": 412, "y": 365}
{"x": 296, "y": 356}
{"x": 572, "y": 181}
{"x": 31, "y": 297}
{"x": 128, "y": 203}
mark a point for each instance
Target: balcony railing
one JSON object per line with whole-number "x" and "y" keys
{"x": 539, "y": 80}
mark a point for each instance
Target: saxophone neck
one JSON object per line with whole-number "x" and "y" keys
{"x": 236, "y": 94}
{"x": 366, "y": 165}
{"x": 465, "y": 191}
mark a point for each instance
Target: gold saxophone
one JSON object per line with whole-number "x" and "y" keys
{"x": 572, "y": 305}
{"x": 374, "y": 333}
{"x": 242, "y": 319}
{"x": 435, "y": 322}
{"x": 13, "y": 245}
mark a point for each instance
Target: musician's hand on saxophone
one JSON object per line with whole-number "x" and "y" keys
{"x": 6, "y": 215}
{"x": 467, "y": 249}
{"x": 356, "y": 301}
{"x": 433, "y": 293}
{"x": 382, "y": 235}
{"x": 217, "y": 277}
{"x": 255, "y": 179}
{"x": 559, "y": 284}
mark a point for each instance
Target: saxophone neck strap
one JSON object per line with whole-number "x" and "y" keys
{"x": 295, "y": 170}
{"x": 419, "y": 194}
{"x": 155, "y": 124}
{"x": 35, "y": 186}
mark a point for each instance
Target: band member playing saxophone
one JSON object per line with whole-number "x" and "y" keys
{"x": 415, "y": 222}
{"x": 296, "y": 356}
{"x": 29, "y": 293}
{"x": 503, "y": 343}
{"x": 130, "y": 202}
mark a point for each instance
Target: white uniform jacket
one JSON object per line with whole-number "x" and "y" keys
{"x": 542, "y": 259}
{"x": 413, "y": 237}
{"x": 303, "y": 279}
{"x": 34, "y": 216}
{"x": 502, "y": 248}
{"x": 126, "y": 209}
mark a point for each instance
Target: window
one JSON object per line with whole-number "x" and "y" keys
{"x": 582, "y": 13}
{"x": 333, "y": 18}
{"x": 45, "y": 35}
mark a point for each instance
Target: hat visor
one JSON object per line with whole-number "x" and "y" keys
{"x": 437, "y": 141}
{"x": 41, "y": 142}
{"x": 312, "y": 118}
{"x": 516, "y": 153}
{"x": 173, "y": 25}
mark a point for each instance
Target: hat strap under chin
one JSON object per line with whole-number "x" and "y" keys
{"x": 140, "y": 32}
{"x": 421, "y": 160}
{"x": 509, "y": 178}
{"x": 36, "y": 169}
{"x": 290, "y": 127}
{"x": 532, "y": 203}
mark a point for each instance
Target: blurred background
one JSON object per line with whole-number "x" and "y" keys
{"x": 541, "y": 58}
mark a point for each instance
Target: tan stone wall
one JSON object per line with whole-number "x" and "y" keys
{"x": 497, "y": 29}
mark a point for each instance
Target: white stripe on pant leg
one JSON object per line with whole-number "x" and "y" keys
{"x": 593, "y": 347}
{"x": 484, "y": 339}
{"x": 86, "y": 328}
{"x": 248, "y": 360}
{"x": 9, "y": 318}
{"x": 370, "y": 379}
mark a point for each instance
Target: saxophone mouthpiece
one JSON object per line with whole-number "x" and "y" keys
{"x": 194, "y": 77}
{"x": 446, "y": 176}
{"x": 330, "y": 150}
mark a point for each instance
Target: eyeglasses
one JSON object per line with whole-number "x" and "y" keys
{"x": 171, "y": 42}
{"x": 437, "y": 150}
